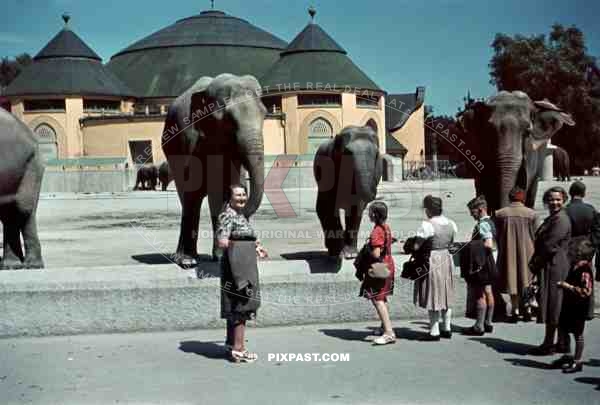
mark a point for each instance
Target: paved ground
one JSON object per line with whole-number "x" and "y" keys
{"x": 139, "y": 227}
{"x": 188, "y": 368}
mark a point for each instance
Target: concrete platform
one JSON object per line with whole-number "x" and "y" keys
{"x": 166, "y": 298}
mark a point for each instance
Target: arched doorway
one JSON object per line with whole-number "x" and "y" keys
{"x": 47, "y": 144}
{"x": 318, "y": 132}
{"x": 371, "y": 123}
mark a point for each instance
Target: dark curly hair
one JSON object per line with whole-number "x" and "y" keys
{"x": 378, "y": 211}
{"x": 433, "y": 205}
{"x": 584, "y": 250}
{"x": 555, "y": 189}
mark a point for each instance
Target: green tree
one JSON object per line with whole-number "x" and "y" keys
{"x": 10, "y": 68}
{"x": 559, "y": 68}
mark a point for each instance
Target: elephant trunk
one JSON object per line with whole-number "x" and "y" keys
{"x": 508, "y": 172}
{"x": 252, "y": 153}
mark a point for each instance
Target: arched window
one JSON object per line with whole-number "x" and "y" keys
{"x": 318, "y": 132}
{"x": 371, "y": 123}
{"x": 47, "y": 143}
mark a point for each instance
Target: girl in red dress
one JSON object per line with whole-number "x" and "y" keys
{"x": 377, "y": 290}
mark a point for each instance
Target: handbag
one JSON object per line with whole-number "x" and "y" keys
{"x": 412, "y": 269}
{"x": 366, "y": 263}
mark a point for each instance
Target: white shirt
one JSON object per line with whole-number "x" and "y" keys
{"x": 426, "y": 229}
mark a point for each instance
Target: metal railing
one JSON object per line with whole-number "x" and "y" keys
{"x": 429, "y": 169}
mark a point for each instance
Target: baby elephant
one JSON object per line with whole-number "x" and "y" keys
{"x": 347, "y": 170}
{"x": 147, "y": 178}
{"x": 21, "y": 173}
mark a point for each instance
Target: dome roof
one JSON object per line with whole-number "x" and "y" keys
{"x": 314, "y": 57}
{"x": 167, "y": 62}
{"x": 67, "y": 66}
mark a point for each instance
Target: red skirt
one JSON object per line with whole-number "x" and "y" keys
{"x": 378, "y": 289}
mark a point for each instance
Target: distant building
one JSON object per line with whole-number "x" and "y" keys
{"x": 81, "y": 108}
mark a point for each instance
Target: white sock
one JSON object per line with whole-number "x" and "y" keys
{"x": 434, "y": 322}
{"x": 447, "y": 318}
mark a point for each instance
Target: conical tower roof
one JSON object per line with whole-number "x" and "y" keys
{"x": 169, "y": 61}
{"x": 67, "y": 66}
{"x": 315, "y": 57}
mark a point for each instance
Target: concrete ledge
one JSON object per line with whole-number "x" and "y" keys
{"x": 163, "y": 297}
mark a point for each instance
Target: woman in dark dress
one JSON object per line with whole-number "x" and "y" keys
{"x": 377, "y": 290}
{"x": 240, "y": 297}
{"x": 550, "y": 264}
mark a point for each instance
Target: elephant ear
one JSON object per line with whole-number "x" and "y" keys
{"x": 203, "y": 104}
{"x": 547, "y": 119}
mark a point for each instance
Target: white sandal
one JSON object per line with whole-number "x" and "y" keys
{"x": 384, "y": 340}
{"x": 243, "y": 357}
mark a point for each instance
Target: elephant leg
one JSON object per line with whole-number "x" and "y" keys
{"x": 531, "y": 194}
{"x": 163, "y": 186}
{"x": 187, "y": 250}
{"x": 330, "y": 224}
{"x": 352, "y": 219}
{"x": 13, "y": 253}
{"x": 33, "y": 249}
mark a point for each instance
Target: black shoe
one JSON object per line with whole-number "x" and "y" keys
{"x": 513, "y": 318}
{"x": 430, "y": 338}
{"x": 561, "y": 362}
{"x": 542, "y": 350}
{"x": 488, "y": 328}
{"x": 446, "y": 334}
{"x": 574, "y": 367}
{"x": 473, "y": 331}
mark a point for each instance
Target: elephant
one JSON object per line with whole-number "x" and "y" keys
{"x": 509, "y": 134}
{"x": 213, "y": 129}
{"x": 347, "y": 169}
{"x": 21, "y": 174}
{"x": 561, "y": 164}
{"x": 147, "y": 176}
{"x": 165, "y": 176}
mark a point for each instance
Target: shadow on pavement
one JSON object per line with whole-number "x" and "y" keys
{"x": 529, "y": 363}
{"x": 164, "y": 258}
{"x": 410, "y": 334}
{"x": 210, "y": 350}
{"x": 346, "y": 334}
{"x": 318, "y": 261}
{"x": 592, "y": 363}
{"x": 590, "y": 380}
{"x": 505, "y": 346}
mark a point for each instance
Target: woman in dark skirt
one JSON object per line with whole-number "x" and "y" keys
{"x": 240, "y": 297}
{"x": 550, "y": 264}
{"x": 374, "y": 289}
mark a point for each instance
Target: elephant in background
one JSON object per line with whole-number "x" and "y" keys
{"x": 561, "y": 164}
{"x": 509, "y": 134}
{"x": 146, "y": 178}
{"x": 21, "y": 173}
{"x": 213, "y": 129}
{"x": 347, "y": 169}
{"x": 165, "y": 176}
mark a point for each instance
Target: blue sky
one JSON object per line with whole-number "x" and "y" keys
{"x": 443, "y": 45}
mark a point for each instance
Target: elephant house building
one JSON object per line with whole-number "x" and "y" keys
{"x": 101, "y": 119}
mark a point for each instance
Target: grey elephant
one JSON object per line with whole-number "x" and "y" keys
{"x": 165, "y": 175}
{"x": 213, "y": 129}
{"x": 507, "y": 141}
{"x": 146, "y": 178}
{"x": 561, "y": 164}
{"x": 347, "y": 169}
{"x": 21, "y": 173}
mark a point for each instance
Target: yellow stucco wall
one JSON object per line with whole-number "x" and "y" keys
{"x": 274, "y": 136}
{"x": 412, "y": 135}
{"x": 111, "y": 139}
{"x": 56, "y": 120}
{"x": 299, "y": 118}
